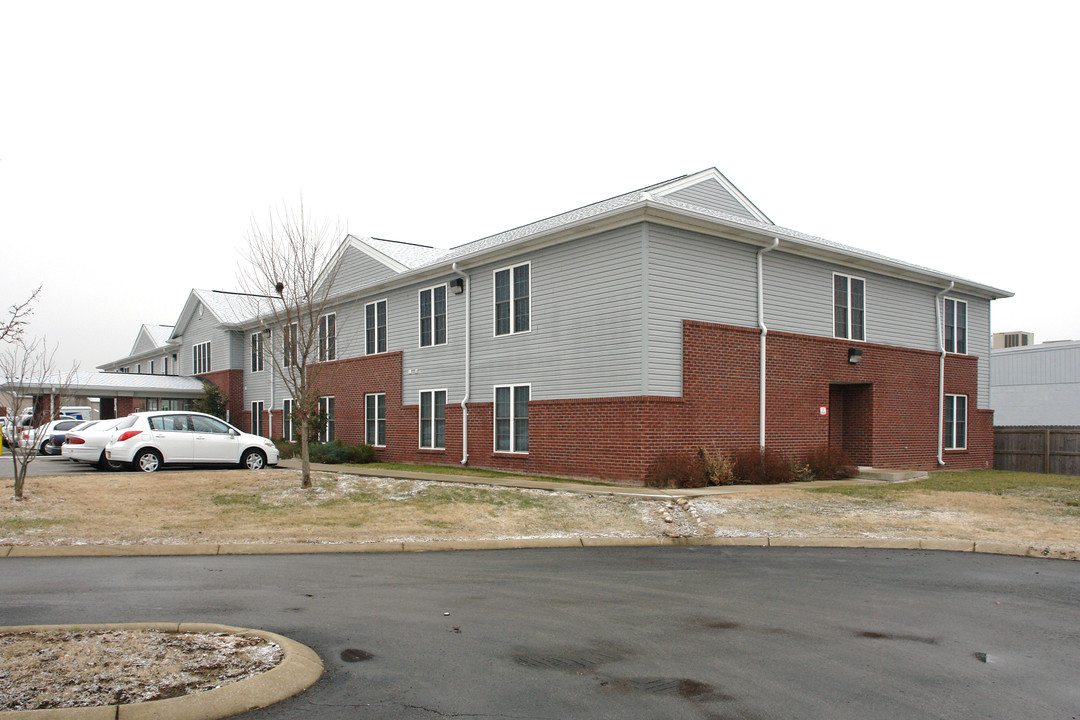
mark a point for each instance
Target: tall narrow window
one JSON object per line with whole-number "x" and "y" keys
{"x": 955, "y": 422}
{"x": 849, "y": 307}
{"x": 256, "y": 418}
{"x": 433, "y": 316}
{"x": 433, "y": 419}
{"x": 151, "y": 367}
{"x": 328, "y": 337}
{"x": 375, "y": 327}
{"x": 375, "y": 420}
{"x": 326, "y": 408}
{"x": 256, "y": 352}
{"x": 512, "y": 418}
{"x": 288, "y": 338}
{"x": 955, "y": 326}
{"x": 200, "y": 355}
{"x": 165, "y": 365}
{"x": 287, "y": 419}
{"x": 512, "y": 300}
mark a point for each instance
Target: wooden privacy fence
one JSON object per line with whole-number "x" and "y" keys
{"x": 1053, "y": 450}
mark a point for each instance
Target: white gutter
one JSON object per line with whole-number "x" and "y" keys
{"x": 764, "y": 332}
{"x": 468, "y": 366}
{"x": 941, "y": 374}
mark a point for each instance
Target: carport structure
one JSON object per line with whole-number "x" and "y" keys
{"x": 119, "y": 393}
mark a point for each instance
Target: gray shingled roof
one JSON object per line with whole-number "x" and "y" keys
{"x": 229, "y": 308}
{"x": 110, "y": 383}
{"x": 409, "y": 255}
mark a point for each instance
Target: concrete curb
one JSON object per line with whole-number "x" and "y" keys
{"x": 413, "y": 546}
{"x": 298, "y": 670}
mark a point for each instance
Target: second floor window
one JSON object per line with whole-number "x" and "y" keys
{"x": 256, "y": 352}
{"x": 433, "y": 316}
{"x": 200, "y": 359}
{"x": 849, "y": 307}
{"x": 955, "y": 326}
{"x": 328, "y": 337}
{"x": 375, "y": 327}
{"x": 512, "y": 300}
{"x": 288, "y": 336}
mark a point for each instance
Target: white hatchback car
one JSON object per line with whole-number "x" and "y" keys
{"x": 147, "y": 440}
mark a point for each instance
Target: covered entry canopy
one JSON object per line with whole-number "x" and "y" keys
{"x": 128, "y": 390}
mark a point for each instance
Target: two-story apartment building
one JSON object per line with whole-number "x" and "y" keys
{"x": 587, "y": 343}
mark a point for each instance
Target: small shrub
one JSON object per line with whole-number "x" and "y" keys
{"x": 719, "y": 470}
{"x": 830, "y": 463}
{"x": 763, "y": 466}
{"x": 286, "y": 449}
{"x": 801, "y": 471}
{"x": 678, "y": 470}
{"x": 339, "y": 452}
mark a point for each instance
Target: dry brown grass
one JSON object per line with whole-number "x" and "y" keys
{"x": 268, "y": 507}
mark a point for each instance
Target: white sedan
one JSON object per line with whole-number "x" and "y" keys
{"x": 147, "y": 440}
{"x": 88, "y": 444}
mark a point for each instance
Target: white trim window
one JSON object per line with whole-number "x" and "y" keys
{"x": 257, "y": 418}
{"x": 200, "y": 358}
{"x": 375, "y": 327}
{"x": 433, "y": 419}
{"x": 326, "y": 407}
{"x": 288, "y": 344}
{"x": 151, "y": 367}
{"x": 433, "y": 316}
{"x": 956, "y": 422}
{"x": 375, "y": 419}
{"x": 956, "y": 326}
{"x": 512, "y": 292}
{"x": 849, "y": 307}
{"x": 287, "y": 420}
{"x": 256, "y": 352}
{"x": 165, "y": 368}
{"x": 328, "y": 337}
{"x": 512, "y": 418}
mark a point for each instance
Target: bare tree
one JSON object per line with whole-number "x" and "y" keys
{"x": 289, "y": 277}
{"x": 28, "y": 369}
{"x": 12, "y": 328}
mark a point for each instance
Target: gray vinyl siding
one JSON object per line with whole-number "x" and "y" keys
{"x": 143, "y": 344}
{"x": 358, "y": 269}
{"x": 712, "y": 195}
{"x": 203, "y": 329}
{"x": 585, "y": 320}
{"x": 692, "y": 277}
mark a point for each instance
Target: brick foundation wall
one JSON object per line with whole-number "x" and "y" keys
{"x": 883, "y": 411}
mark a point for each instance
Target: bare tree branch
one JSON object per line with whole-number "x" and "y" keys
{"x": 12, "y": 328}
{"x": 290, "y": 260}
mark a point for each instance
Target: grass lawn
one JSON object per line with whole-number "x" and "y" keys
{"x": 474, "y": 472}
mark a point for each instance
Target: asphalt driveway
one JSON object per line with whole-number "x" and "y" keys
{"x": 618, "y": 633}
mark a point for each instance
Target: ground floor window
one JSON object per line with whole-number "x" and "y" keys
{"x": 326, "y": 408}
{"x": 433, "y": 419}
{"x": 956, "y": 422}
{"x": 287, "y": 420}
{"x": 375, "y": 419}
{"x": 167, "y": 404}
{"x": 512, "y": 418}
{"x": 256, "y": 418}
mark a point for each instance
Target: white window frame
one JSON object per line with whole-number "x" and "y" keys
{"x": 372, "y": 347}
{"x": 165, "y": 369}
{"x": 257, "y": 410}
{"x": 328, "y": 431}
{"x": 328, "y": 337}
{"x": 200, "y": 358}
{"x": 288, "y": 344}
{"x": 256, "y": 346}
{"x": 287, "y": 430}
{"x": 513, "y": 419}
{"x": 434, "y": 420}
{"x": 513, "y": 299}
{"x": 952, "y": 345}
{"x": 949, "y": 428}
{"x": 431, "y": 320}
{"x": 847, "y": 320}
{"x": 371, "y": 433}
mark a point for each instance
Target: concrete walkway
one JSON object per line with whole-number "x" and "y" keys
{"x": 867, "y": 476}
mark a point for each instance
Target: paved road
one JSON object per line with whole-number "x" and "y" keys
{"x": 618, "y": 633}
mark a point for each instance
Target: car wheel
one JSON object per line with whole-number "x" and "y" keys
{"x": 44, "y": 449}
{"x": 147, "y": 461}
{"x": 105, "y": 463}
{"x": 253, "y": 460}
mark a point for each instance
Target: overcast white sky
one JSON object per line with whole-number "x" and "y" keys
{"x": 137, "y": 139}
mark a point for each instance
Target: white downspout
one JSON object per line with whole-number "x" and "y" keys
{"x": 764, "y": 332}
{"x": 468, "y": 367}
{"x": 941, "y": 375}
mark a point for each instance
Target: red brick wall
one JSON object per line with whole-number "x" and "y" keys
{"x": 883, "y": 410}
{"x": 231, "y": 385}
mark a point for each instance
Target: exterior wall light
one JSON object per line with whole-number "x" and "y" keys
{"x": 457, "y": 285}
{"x": 854, "y": 355}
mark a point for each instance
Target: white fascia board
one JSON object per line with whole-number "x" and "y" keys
{"x": 714, "y": 174}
